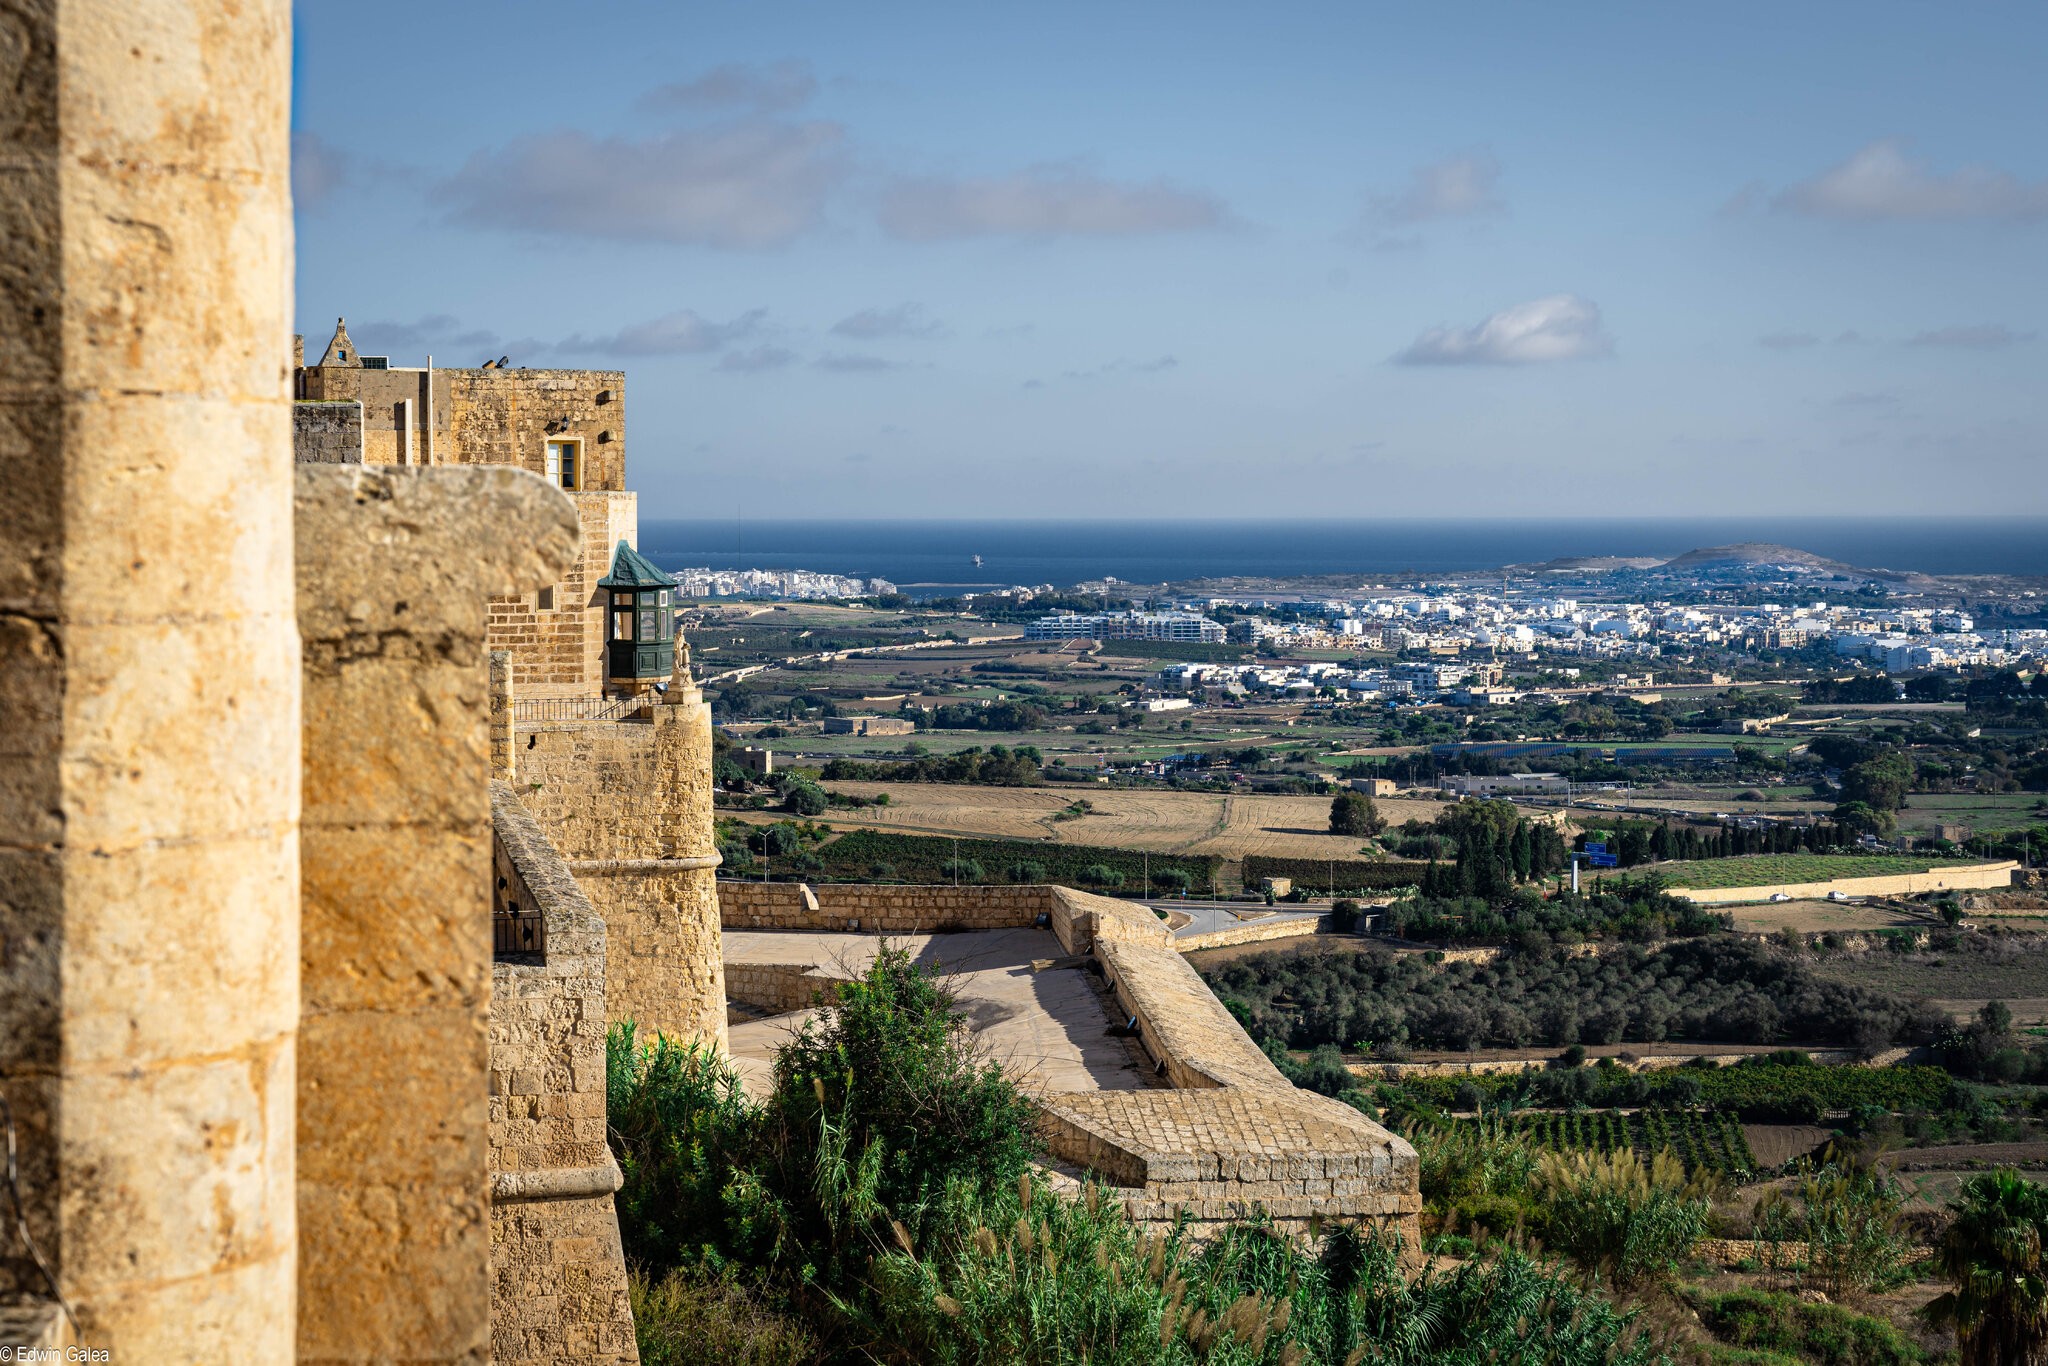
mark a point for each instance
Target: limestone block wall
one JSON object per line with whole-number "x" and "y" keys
{"x": 628, "y": 804}
{"x": 471, "y": 416}
{"x": 1255, "y": 932}
{"x": 556, "y": 633}
{"x": 327, "y": 433}
{"x": 149, "y": 720}
{"x": 779, "y": 987}
{"x": 558, "y": 1273}
{"x": 393, "y": 567}
{"x": 503, "y": 417}
{"x": 1959, "y": 878}
{"x": 883, "y": 909}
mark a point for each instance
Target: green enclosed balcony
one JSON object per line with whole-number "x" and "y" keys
{"x": 640, "y": 627}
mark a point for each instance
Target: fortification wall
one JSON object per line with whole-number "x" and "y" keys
{"x": 1961, "y": 878}
{"x": 149, "y": 677}
{"x": 395, "y": 868}
{"x": 558, "y": 1272}
{"x": 327, "y": 433}
{"x": 628, "y": 805}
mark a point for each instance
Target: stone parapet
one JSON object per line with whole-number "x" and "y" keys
{"x": 557, "y": 1267}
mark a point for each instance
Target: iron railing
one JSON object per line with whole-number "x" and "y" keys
{"x": 533, "y": 710}
{"x": 518, "y": 934}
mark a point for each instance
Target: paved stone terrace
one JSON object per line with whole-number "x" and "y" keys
{"x": 1048, "y": 1024}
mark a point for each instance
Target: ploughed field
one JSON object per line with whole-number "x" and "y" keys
{"x": 1228, "y": 825}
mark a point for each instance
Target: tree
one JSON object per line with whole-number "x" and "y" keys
{"x": 803, "y": 797}
{"x": 1353, "y": 813}
{"x": 1862, "y": 819}
{"x": 1991, "y": 1254}
{"x": 1878, "y": 783}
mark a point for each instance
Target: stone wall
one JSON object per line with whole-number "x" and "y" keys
{"x": 1253, "y": 932}
{"x": 878, "y": 909}
{"x": 327, "y": 433}
{"x": 558, "y": 1273}
{"x": 1233, "y": 1136}
{"x": 472, "y": 416}
{"x": 628, "y": 803}
{"x": 779, "y": 987}
{"x": 149, "y": 680}
{"x": 556, "y": 634}
{"x": 395, "y": 866}
{"x": 1962, "y": 877}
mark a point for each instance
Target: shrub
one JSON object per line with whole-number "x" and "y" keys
{"x": 1826, "y": 1334}
{"x": 1848, "y": 1217}
{"x": 1631, "y": 1221}
{"x": 1101, "y": 875}
{"x": 891, "y": 1073}
{"x": 691, "y": 1317}
{"x": 1025, "y": 873}
{"x": 680, "y": 1129}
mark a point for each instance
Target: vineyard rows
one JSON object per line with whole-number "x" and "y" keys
{"x": 1702, "y": 1139}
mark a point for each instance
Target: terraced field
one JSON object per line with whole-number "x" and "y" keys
{"x": 1764, "y": 870}
{"x": 1179, "y": 822}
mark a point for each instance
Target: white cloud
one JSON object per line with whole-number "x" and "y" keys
{"x": 1456, "y": 187}
{"x": 1880, "y": 182}
{"x": 751, "y": 184}
{"x": 1981, "y": 337}
{"x": 771, "y": 89}
{"x": 1044, "y": 201}
{"x": 847, "y": 363}
{"x": 1560, "y": 327}
{"x": 756, "y": 359}
{"x": 903, "y": 320}
{"x": 683, "y": 332}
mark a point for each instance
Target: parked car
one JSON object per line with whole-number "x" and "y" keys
{"x": 1780, "y": 896}
{"x": 1838, "y": 896}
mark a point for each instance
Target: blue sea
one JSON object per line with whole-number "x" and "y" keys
{"x": 929, "y": 557}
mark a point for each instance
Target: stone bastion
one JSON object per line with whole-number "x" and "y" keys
{"x": 1189, "y": 1117}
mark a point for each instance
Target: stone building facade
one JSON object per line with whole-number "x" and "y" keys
{"x": 567, "y": 426}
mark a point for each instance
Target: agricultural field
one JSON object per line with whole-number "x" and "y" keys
{"x": 1228, "y": 825}
{"x": 1978, "y": 969}
{"x": 1702, "y": 1139}
{"x": 1822, "y": 917}
{"x": 1763, "y": 870}
{"x": 1925, "y": 811}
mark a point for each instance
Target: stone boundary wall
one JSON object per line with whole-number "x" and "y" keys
{"x": 1773, "y": 1256}
{"x": 558, "y": 1270}
{"x": 327, "y": 433}
{"x": 1254, "y": 933}
{"x": 1962, "y": 878}
{"x": 1827, "y": 1057}
{"x": 879, "y": 909}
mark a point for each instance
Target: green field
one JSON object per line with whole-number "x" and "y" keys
{"x": 1761, "y": 870}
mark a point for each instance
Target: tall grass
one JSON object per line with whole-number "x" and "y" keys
{"x": 880, "y": 1207}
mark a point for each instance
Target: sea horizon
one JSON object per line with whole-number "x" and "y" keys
{"x": 940, "y": 552}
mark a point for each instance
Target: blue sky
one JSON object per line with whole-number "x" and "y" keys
{"x": 1206, "y": 260}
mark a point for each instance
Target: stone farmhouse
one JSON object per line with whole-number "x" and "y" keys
{"x": 355, "y": 782}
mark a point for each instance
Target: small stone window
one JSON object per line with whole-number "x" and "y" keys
{"x": 565, "y": 462}
{"x": 545, "y": 600}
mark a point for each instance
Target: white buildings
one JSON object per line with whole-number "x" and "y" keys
{"x": 1190, "y": 627}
